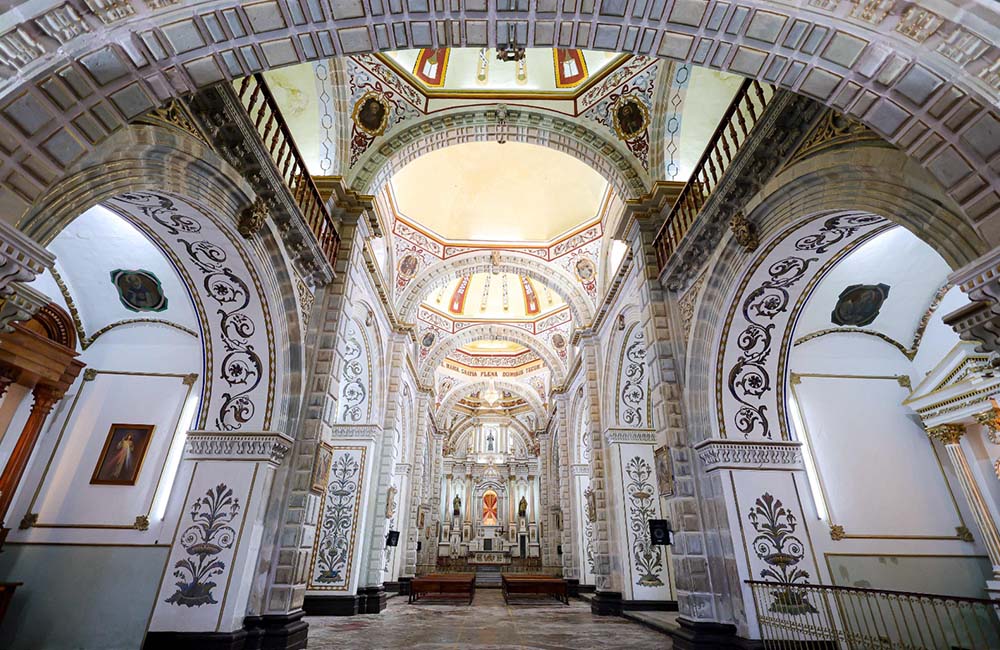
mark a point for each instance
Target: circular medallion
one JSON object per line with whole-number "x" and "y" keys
{"x": 371, "y": 113}
{"x": 630, "y": 117}
{"x": 139, "y": 290}
{"x": 427, "y": 340}
{"x": 558, "y": 341}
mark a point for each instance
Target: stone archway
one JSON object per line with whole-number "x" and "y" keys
{"x": 490, "y": 332}
{"x": 523, "y": 125}
{"x": 522, "y": 390}
{"x": 560, "y": 282}
{"x": 893, "y": 70}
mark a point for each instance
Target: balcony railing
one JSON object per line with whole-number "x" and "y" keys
{"x": 277, "y": 138}
{"x": 823, "y": 616}
{"x": 734, "y": 128}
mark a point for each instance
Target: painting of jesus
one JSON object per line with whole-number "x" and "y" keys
{"x": 123, "y": 453}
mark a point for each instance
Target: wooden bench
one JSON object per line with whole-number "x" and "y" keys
{"x": 444, "y": 584}
{"x": 520, "y": 584}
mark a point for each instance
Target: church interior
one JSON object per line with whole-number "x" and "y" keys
{"x": 499, "y": 324}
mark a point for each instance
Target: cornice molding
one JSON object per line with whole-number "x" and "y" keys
{"x": 262, "y": 446}
{"x": 618, "y": 436}
{"x": 364, "y": 432}
{"x": 720, "y": 453}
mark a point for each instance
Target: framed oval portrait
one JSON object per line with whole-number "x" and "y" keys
{"x": 371, "y": 113}
{"x": 139, "y": 290}
{"x": 408, "y": 266}
{"x": 585, "y": 270}
{"x": 630, "y": 117}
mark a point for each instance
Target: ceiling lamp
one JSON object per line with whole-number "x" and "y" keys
{"x": 510, "y": 51}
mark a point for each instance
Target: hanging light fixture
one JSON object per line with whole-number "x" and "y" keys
{"x": 491, "y": 395}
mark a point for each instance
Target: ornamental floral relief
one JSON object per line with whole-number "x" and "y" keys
{"x": 229, "y": 302}
{"x": 210, "y": 532}
{"x": 647, "y": 559}
{"x": 781, "y": 550}
{"x": 355, "y": 377}
{"x": 754, "y": 341}
{"x": 336, "y": 536}
{"x": 633, "y": 384}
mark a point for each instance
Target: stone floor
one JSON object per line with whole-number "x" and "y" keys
{"x": 487, "y": 624}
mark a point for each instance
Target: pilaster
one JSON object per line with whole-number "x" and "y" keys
{"x": 219, "y": 505}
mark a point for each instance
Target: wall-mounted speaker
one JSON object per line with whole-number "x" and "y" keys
{"x": 392, "y": 538}
{"x": 660, "y": 533}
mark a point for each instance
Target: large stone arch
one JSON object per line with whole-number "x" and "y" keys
{"x": 186, "y": 200}
{"x": 522, "y": 390}
{"x": 538, "y": 127}
{"x": 490, "y": 332}
{"x": 560, "y": 282}
{"x": 79, "y": 75}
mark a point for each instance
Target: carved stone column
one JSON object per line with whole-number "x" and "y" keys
{"x": 950, "y": 435}
{"x": 219, "y": 501}
{"x": 45, "y": 398}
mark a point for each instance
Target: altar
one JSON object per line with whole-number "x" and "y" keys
{"x": 489, "y": 557}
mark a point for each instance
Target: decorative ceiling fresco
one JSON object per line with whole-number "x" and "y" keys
{"x": 661, "y": 113}
{"x": 464, "y": 72}
{"x": 497, "y": 235}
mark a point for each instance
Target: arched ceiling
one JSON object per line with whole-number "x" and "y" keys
{"x": 490, "y": 296}
{"x": 491, "y": 192}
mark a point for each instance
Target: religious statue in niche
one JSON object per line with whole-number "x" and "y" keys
{"x": 522, "y": 507}
{"x": 664, "y": 471}
{"x": 139, "y": 290}
{"x": 123, "y": 453}
{"x": 390, "y": 502}
{"x": 630, "y": 117}
{"x": 489, "y": 441}
{"x": 859, "y": 304}
{"x": 371, "y": 113}
{"x": 456, "y": 506}
{"x": 321, "y": 468}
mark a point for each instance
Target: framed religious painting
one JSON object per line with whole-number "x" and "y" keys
{"x": 321, "y": 468}
{"x": 121, "y": 458}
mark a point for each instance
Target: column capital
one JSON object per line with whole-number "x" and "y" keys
{"x": 991, "y": 420}
{"x": 948, "y": 434}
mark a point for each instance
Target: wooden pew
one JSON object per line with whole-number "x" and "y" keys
{"x": 444, "y": 584}
{"x": 519, "y": 584}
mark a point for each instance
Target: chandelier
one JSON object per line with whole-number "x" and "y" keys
{"x": 491, "y": 395}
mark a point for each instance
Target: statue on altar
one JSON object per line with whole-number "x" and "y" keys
{"x": 522, "y": 508}
{"x": 456, "y": 506}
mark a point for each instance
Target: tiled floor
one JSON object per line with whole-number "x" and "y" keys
{"x": 487, "y": 624}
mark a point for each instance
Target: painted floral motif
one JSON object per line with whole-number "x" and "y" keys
{"x": 241, "y": 367}
{"x": 209, "y": 534}
{"x": 334, "y": 546}
{"x": 646, "y": 557}
{"x": 777, "y": 546}
{"x": 354, "y": 392}
{"x": 633, "y": 380}
{"x": 749, "y": 380}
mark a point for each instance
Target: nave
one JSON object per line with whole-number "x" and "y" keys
{"x": 337, "y": 323}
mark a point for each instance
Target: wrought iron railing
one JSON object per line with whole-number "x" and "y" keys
{"x": 266, "y": 117}
{"x": 824, "y": 616}
{"x": 734, "y": 128}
